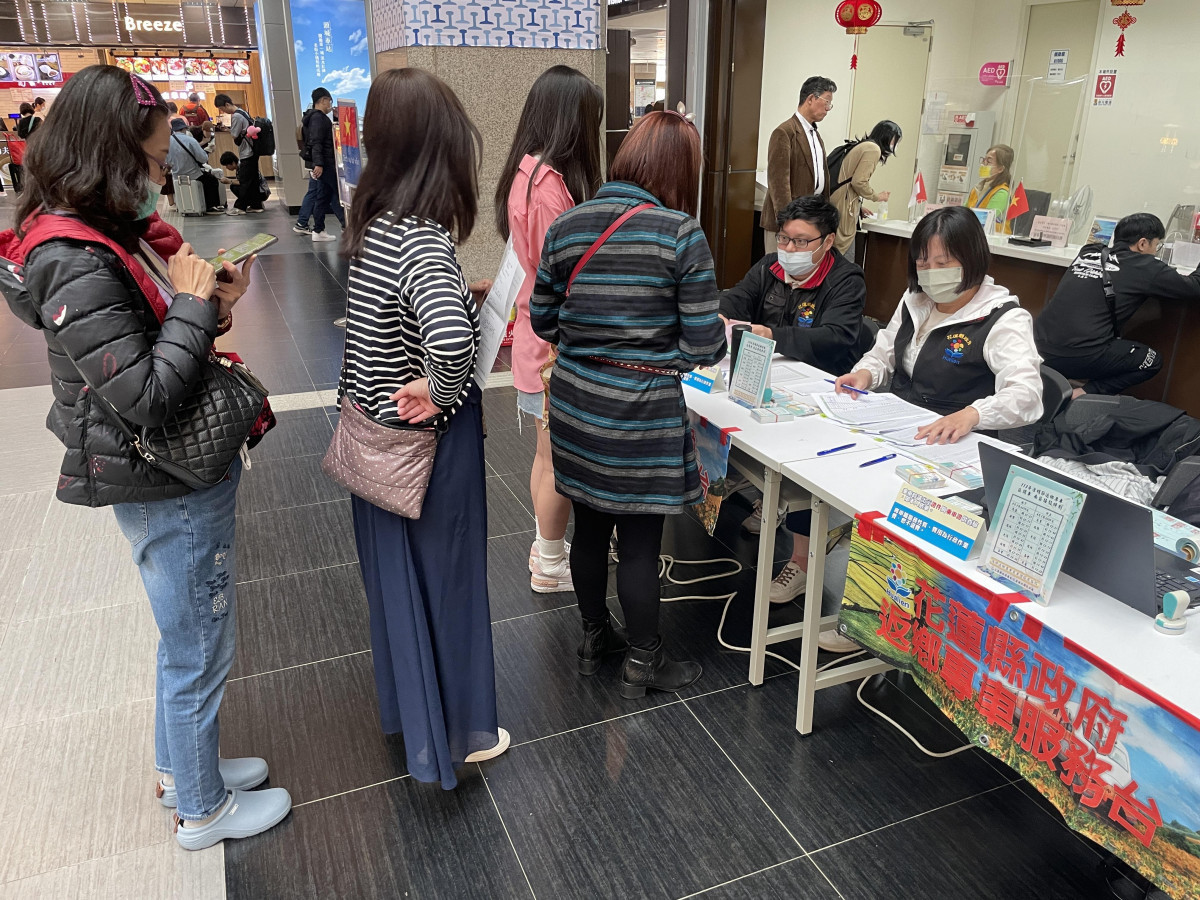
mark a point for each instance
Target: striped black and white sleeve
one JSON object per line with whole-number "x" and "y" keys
{"x": 433, "y": 285}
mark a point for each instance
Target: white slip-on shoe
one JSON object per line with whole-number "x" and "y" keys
{"x": 484, "y": 755}
{"x": 238, "y": 775}
{"x": 246, "y": 813}
{"x": 320, "y": 237}
{"x": 789, "y": 583}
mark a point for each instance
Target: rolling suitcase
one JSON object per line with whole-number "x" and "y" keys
{"x": 189, "y": 196}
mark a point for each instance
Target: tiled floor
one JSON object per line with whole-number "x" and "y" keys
{"x": 709, "y": 793}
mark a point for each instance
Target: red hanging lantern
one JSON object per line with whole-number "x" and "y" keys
{"x": 856, "y": 16}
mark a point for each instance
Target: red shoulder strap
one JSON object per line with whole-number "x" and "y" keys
{"x": 591, "y": 251}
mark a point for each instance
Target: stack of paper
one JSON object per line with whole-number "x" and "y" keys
{"x": 868, "y": 409}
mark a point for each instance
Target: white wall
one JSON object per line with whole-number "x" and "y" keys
{"x": 1120, "y": 155}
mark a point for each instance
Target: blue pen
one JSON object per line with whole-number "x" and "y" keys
{"x": 872, "y": 462}
{"x": 835, "y": 449}
{"x": 846, "y": 387}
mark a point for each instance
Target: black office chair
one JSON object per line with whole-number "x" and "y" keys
{"x": 1039, "y": 203}
{"x": 1056, "y": 393}
{"x": 1181, "y": 475}
{"x": 866, "y": 335}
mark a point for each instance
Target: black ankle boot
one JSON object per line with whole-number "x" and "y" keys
{"x": 655, "y": 670}
{"x": 599, "y": 640}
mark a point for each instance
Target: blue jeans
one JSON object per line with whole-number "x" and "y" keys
{"x": 310, "y": 199}
{"x": 185, "y": 551}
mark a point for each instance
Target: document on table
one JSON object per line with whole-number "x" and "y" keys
{"x": 495, "y": 310}
{"x": 963, "y": 453}
{"x": 798, "y": 380}
{"x": 870, "y": 409}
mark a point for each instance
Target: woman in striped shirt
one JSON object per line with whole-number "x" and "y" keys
{"x": 640, "y": 311}
{"x": 412, "y": 333}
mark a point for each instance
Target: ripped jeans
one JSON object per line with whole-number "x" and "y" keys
{"x": 185, "y": 551}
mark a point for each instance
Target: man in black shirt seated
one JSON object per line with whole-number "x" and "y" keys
{"x": 1079, "y": 332}
{"x": 806, "y": 297}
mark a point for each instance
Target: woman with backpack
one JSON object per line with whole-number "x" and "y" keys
{"x": 851, "y": 176}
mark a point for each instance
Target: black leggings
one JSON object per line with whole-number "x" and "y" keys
{"x": 639, "y": 538}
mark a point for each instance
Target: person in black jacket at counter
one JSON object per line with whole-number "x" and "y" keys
{"x": 1079, "y": 332}
{"x": 317, "y": 153}
{"x": 806, "y": 297}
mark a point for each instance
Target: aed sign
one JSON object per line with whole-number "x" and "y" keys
{"x": 133, "y": 26}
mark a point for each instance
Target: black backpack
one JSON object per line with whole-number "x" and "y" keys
{"x": 835, "y": 160}
{"x": 264, "y": 144}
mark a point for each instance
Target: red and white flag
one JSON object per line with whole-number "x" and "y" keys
{"x": 1020, "y": 202}
{"x": 918, "y": 191}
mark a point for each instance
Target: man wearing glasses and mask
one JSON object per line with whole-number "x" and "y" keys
{"x": 805, "y": 295}
{"x": 796, "y": 162}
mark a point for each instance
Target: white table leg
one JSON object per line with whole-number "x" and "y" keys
{"x": 812, "y": 615}
{"x": 762, "y": 583}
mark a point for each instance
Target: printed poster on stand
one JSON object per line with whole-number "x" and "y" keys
{"x": 347, "y": 150}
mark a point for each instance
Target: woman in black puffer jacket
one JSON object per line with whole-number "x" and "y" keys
{"x": 127, "y": 307}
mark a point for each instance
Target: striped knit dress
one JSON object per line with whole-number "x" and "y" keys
{"x": 620, "y": 438}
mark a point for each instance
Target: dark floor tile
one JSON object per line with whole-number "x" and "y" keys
{"x": 795, "y": 880}
{"x": 301, "y": 432}
{"x": 273, "y": 355}
{"x": 506, "y": 514}
{"x": 500, "y": 409}
{"x": 317, "y": 726}
{"x": 300, "y": 539}
{"x": 510, "y": 452}
{"x": 284, "y": 483}
{"x": 853, "y": 773}
{"x": 24, "y": 375}
{"x": 508, "y": 580}
{"x": 539, "y": 690}
{"x": 299, "y": 619}
{"x": 646, "y": 806}
{"x": 402, "y": 839}
{"x": 288, "y": 377}
{"x": 1002, "y": 847}
{"x": 324, "y": 370}
{"x": 318, "y": 340}
{"x": 518, "y": 484}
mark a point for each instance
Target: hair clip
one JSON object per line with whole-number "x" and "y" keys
{"x": 681, "y": 111}
{"x": 141, "y": 91}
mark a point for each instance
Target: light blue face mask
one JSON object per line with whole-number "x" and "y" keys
{"x": 150, "y": 201}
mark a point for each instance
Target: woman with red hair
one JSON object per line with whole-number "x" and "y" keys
{"x": 630, "y": 311}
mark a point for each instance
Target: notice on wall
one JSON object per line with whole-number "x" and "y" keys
{"x": 1106, "y": 87}
{"x": 1057, "y": 73}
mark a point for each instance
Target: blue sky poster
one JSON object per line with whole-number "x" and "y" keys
{"x": 330, "y": 39}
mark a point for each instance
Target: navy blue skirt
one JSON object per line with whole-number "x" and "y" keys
{"x": 431, "y": 633}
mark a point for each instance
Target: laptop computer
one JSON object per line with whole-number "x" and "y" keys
{"x": 1113, "y": 546}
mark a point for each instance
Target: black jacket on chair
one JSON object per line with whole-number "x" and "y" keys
{"x": 90, "y": 309}
{"x": 819, "y": 326}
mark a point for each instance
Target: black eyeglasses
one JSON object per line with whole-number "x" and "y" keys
{"x": 784, "y": 240}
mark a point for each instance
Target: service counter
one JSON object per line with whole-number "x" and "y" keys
{"x": 1033, "y": 274}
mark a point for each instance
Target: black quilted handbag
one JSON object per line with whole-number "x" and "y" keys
{"x": 198, "y": 444}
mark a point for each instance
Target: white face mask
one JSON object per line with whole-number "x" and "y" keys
{"x": 940, "y": 285}
{"x": 797, "y": 263}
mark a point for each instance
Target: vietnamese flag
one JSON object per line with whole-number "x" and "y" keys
{"x": 1020, "y": 203}
{"x": 918, "y": 191}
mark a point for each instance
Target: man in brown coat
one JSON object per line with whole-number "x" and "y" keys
{"x": 796, "y": 163}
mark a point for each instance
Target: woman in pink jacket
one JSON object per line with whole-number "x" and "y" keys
{"x": 554, "y": 164}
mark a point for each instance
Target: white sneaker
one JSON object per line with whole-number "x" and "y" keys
{"x": 753, "y": 522}
{"x": 789, "y": 584}
{"x": 234, "y": 211}
{"x": 535, "y": 555}
{"x": 321, "y": 237}
{"x": 836, "y": 643}
{"x": 553, "y": 578}
{"x": 484, "y": 755}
